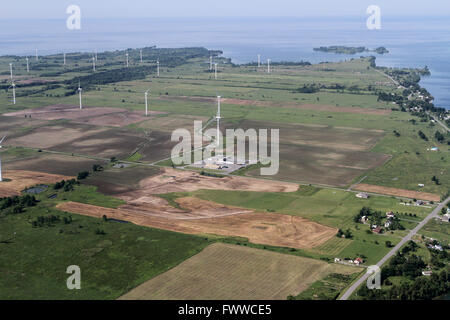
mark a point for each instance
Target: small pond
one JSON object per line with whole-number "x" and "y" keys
{"x": 36, "y": 189}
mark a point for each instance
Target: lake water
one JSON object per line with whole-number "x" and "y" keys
{"x": 413, "y": 42}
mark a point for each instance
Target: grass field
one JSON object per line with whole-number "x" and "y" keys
{"x": 438, "y": 230}
{"x": 223, "y": 271}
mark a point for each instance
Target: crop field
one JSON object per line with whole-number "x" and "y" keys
{"x": 101, "y": 116}
{"x": 51, "y": 163}
{"x": 224, "y": 271}
{"x": 115, "y": 181}
{"x": 398, "y": 192}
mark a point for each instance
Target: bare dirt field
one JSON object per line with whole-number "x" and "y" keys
{"x": 240, "y": 102}
{"x": 80, "y": 139}
{"x": 321, "y": 154}
{"x": 99, "y": 116}
{"x": 172, "y": 122}
{"x": 18, "y": 180}
{"x": 53, "y": 164}
{"x": 315, "y": 135}
{"x": 224, "y": 272}
{"x": 325, "y": 166}
{"x": 189, "y": 208}
{"x": 263, "y": 228}
{"x": 171, "y": 180}
{"x": 397, "y": 192}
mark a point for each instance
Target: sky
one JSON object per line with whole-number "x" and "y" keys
{"x": 56, "y": 9}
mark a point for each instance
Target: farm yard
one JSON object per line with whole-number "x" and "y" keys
{"x": 230, "y": 272}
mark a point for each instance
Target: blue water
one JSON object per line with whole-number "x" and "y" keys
{"x": 413, "y": 41}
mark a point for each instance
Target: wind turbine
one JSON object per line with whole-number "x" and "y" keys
{"x": 10, "y": 69}
{"x": 210, "y": 63}
{"x": 157, "y": 67}
{"x": 215, "y": 71}
{"x": 1, "y": 141}
{"x": 64, "y": 54}
{"x": 37, "y": 58}
{"x": 13, "y": 86}
{"x": 259, "y": 60}
{"x": 96, "y": 55}
{"x": 268, "y": 65}
{"x": 28, "y": 64}
{"x": 79, "y": 92}
{"x": 218, "y": 121}
{"x": 146, "y": 102}
{"x": 127, "y": 59}
{"x": 140, "y": 53}
{"x": 93, "y": 63}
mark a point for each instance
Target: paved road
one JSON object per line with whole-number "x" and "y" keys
{"x": 408, "y": 237}
{"x": 441, "y": 123}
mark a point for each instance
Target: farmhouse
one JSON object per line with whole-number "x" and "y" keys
{"x": 427, "y": 273}
{"x": 446, "y": 217}
{"x": 377, "y": 230}
{"x": 390, "y": 215}
{"x": 358, "y": 261}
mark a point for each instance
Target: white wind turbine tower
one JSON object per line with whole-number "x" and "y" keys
{"x": 13, "y": 86}
{"x": 96, "y": 55}
{"x": 1, "y": 177}
{"x": 64, "y": 57}
{"x": 259, "y": 60}
{"x": 37, "y": 58}
{"x": 268, "y": 65}
{"x": 127, "y": 59}
{"x": 157, "y": 67}
{"x": 10, "y": 70}
{"x": 93, "y": 63}
{"x": 140, "y": 53}
{"x": 146, "y": 102}
{"x": 210, "y": 63}
{"x": 28, "y": 64}
{"x": 79, "y": 92}
{"x": 218, "y": 121}
{"x": 215, "y": 71}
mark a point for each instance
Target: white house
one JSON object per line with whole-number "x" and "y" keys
{"x": 446, "y": 217}
{"x": 387, "y": 224}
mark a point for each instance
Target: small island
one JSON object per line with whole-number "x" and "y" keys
{"x": 350, "y": 50}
